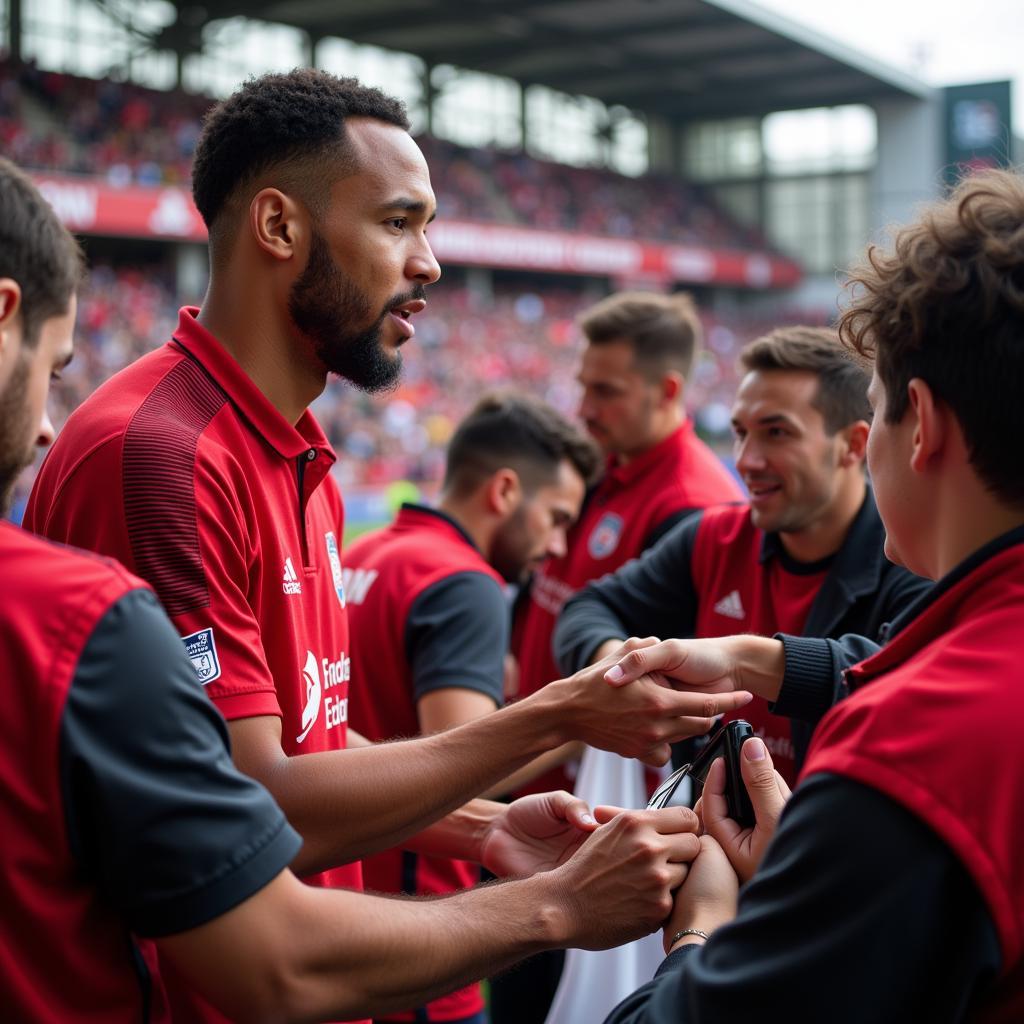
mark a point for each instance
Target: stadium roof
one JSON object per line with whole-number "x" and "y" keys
{"x": 682, "y": 59}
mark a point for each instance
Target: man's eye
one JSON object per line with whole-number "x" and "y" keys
{"x": 398, "y": 223}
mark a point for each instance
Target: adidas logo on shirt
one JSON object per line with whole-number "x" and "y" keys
{"x": 291, "y": 580}
{"x": 731, "y": 606}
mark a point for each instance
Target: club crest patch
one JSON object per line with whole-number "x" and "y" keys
{"x": 335, "y": 559}
{"x": 604, "y": 537}
{"x": 202, "y": 652}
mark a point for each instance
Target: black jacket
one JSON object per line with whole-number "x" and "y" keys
{"x": 656, "y": 595}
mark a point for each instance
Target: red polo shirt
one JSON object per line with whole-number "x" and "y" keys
{"x": 678, "y": 474}
{"x": 743, "y": 588}
{"x": 181, "y": 468}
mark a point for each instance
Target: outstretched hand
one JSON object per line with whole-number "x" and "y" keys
{"x": 642, "y": 719}
{"x": 703, "y": 664}
{"x": 768, "y": 794}
{"x": 536, "y": 833}
{"x": 709, "y": 665}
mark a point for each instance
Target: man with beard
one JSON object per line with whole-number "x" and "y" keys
{"x": 640, "y": 350}
{"x": 804, "y": 557}
{"x": 893, "y": 888}
{"x": 427, "y": 609}
{"x": 128, "y": 830}
{"x": 201, "y": 468}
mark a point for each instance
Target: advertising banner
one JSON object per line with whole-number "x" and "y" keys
{"x": 93, "y": 207}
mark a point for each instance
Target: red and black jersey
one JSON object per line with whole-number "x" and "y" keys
{"x": 182, "y": 469}
{"x": 718, "y": 575}
{"x": 746, "y": 587}
{"x": 122, "y": 816}
{"x": 426, "y": 612}
{"x": 933, "y": 722}
{"x": 622, "y": 516}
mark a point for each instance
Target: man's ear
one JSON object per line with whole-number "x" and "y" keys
{"x": 279, "y": 224}
{"x": 504, "y": 491}
{"x": 931, "y": 424}
{"x": 672, "y": 385}
{"x": 855, "y": 443}
{"x": 10, "y": 310}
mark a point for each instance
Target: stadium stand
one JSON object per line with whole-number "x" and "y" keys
{"x": 124, "y": 134}
{"x": 127, "y": 134}
{"x": 525, "y": 337}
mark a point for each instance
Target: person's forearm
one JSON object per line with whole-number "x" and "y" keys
{"x": 299, "y": 953}
{"x": 760, "y": 664}
{"x": 349, "y": 804}
{"x": 458, "y": 834}
{"x": 436, "y": 946}
{"x": 814, "y": 669}
{"x": 537, "y": 767}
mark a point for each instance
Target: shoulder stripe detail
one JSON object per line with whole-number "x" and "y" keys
{"x": 159, "y": 485}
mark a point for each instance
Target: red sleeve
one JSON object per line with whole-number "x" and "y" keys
{"x": 222, "y": 635}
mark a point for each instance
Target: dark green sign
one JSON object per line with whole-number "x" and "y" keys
{"x": 977, "y": 128}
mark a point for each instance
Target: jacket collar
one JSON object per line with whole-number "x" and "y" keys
{"x": 940, "y": 607}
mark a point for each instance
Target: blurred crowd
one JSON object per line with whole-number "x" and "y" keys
{"x": 464, "y": 344}
{"x": 127, "y": 134}
{"x": 121, "y": 132}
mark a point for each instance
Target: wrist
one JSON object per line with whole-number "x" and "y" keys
{"x": 605, "y": 650}
{"x": 706, "y": 916}
{"x": 534, "y": 724}
{"x": 480, "y": 817}
{"x": 550, "y": 712}
{"x": 686, "y": 937}
{"x": 759, "y": 664}
{"x": 556, "y": 908}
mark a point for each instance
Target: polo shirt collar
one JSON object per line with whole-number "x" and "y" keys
{"x": 287, "y": 440}
{"x": 413, "y": 514}
{"x": 625, "y": 475}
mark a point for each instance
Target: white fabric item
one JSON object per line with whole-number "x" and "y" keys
{"x": 594, "y": 982}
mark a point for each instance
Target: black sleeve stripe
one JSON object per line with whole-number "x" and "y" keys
{"x": 158, "y": 817}
{"x": 660, "y": 529}
{"x": 159, "y": 485}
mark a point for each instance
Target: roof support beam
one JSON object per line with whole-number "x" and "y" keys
{"x": 14, "y": 30}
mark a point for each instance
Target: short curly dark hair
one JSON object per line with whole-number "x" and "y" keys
{"x": 295, "y": 121}
{"x": 946, "y": 305}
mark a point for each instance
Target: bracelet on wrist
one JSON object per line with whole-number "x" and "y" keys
{"x": 682, "y": 933}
